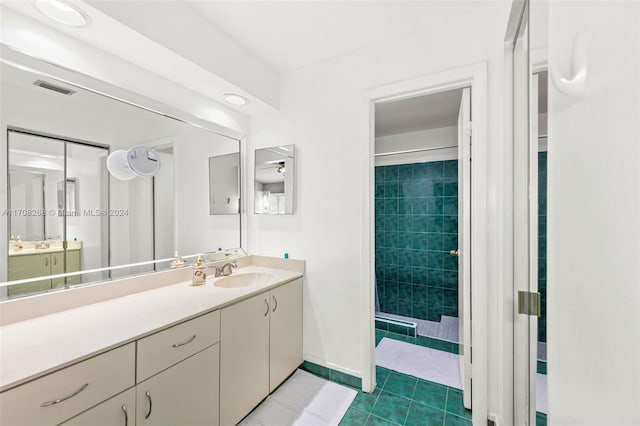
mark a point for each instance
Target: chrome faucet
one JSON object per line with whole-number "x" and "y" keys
{"x": 43, "y": 245}
{"x": 226, "y": 269}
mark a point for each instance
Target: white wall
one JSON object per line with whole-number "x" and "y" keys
{"x": 593, "y": 219}
{"x": 443, "y": 138}
{"x": 320, "y": 113}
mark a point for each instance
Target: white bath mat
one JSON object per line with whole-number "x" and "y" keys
{"x": 425, "y": 363}
{"x": 305, "y": 400}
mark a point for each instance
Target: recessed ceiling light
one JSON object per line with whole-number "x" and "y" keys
{"x": 64, "y": 12}
{"x": 234, "y": 99}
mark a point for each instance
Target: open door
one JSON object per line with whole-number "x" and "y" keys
{"x": 533, "y": 245}
{"x": 464, "y": 243}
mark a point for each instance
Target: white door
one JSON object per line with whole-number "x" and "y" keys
{"x": 464, "y": 242}
{"x": 533, "y": 243}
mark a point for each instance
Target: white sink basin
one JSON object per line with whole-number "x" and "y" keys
{"x": 245, "y": 279}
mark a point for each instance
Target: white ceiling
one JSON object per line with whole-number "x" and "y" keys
{"x": 419, "y": 113}
{"x": 290, "y": 34}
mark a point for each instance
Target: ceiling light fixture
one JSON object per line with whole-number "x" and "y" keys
{"x": 63, "y": 12}
{"x": 234, "y": 99}
{"x": 281, "y": 168}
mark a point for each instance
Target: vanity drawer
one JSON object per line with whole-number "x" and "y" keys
{"x": 168, "y": 347}
{"x": 67, "y": 392}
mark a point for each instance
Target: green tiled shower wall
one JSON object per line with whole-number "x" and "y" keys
{"x": 542, "y": 244}
{"x": 416, "y": 210}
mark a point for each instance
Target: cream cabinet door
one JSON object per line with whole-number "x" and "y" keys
{"x": 285, "y": 346}
{"x": 117, "y": 411}
{"x": 185, "y": 394}
{"x": 244, "y": 357}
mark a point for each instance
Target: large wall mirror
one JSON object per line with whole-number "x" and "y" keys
{"x": 274, "y": 177}
{"x": 64, "y": 210}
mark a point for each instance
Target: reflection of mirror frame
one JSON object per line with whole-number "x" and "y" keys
{"x": 225, "y": 205}
{"x": 283, "y": 161}
{"x": 76, "y": 79}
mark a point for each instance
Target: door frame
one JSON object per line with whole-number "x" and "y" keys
{"x": 474, "y": 76}
{"x": 516, "y": 357}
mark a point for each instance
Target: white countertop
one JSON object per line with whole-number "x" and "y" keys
{"x": 35, "y": 347}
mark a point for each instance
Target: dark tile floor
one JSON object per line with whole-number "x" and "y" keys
{"x": 401, "y": 399}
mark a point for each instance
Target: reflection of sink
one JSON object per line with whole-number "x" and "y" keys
{"x": 243, "y": 279}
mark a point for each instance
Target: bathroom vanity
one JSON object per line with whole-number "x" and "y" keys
{"x": 30, "y": 262}
{"x": 171, "y": 355}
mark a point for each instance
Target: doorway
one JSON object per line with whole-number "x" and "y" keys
{"x": 422, "y": 196}
{"x": 473, "y": 77}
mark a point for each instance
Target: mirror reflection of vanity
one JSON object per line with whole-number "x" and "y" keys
{"x": 274, "y": 177}
{"x": 65, "y": 212}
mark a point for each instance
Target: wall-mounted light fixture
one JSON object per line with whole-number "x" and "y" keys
{"x": 281, "y": 168}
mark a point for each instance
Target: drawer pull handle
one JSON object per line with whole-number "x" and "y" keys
{"x": 150, "y": 404}
{"x": 58, "y": 401}
{"x": 177, "y": 345}
{"x": 276, "y": 304}
{"x": 126, "y": 416}
{"x": 267, "y": 311}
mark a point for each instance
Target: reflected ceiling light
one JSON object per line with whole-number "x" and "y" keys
{"x": 64, "y": 12}
{"x": 234, "y": 99}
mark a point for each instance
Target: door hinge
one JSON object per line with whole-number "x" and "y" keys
{"x": 529, "y": 303}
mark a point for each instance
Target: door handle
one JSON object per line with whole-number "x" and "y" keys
{"x": 276, "y": 304}
{"x": 150, "y": 404}
{"x": 266, "y": 303}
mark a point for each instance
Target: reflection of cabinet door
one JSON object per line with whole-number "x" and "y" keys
{"x": 119, "y": 410}
{"x": 29, "y": 266}
{"x": 185, "y": 394}
{"x": 73, "y": 265}
{"x": 244, "y": 357}
{"x": 285, "y": 346}
{"x": 57, "y": 267}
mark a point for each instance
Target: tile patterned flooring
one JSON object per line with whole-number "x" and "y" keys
{"x": 401, "y": 399}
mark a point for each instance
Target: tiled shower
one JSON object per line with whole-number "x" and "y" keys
{"x": 542, "y": 244}
{"x": 416, "y": 222}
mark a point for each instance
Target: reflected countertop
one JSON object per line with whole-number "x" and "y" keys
{"x": 35, "y": 347}
{"x": 29, "y": 248}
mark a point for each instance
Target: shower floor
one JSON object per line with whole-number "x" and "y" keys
{"x": 446, "y": 329}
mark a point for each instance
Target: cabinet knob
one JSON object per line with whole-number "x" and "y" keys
{"x": 454, "y": 253}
